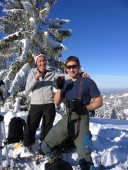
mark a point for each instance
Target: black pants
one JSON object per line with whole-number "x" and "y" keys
{"x": 46, "y": 112}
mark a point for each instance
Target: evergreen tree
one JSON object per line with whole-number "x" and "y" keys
{"x": 28, "y": 30}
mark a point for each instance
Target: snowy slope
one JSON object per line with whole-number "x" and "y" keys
{"x": 110, "y": 145}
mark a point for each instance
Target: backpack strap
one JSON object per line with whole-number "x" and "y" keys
{"x": 80, "y": 89}
{"x": 76, "y": 124}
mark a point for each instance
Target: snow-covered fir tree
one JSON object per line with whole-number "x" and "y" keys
{"x": 115, "y": 106}
{"x": 28, "y": 30}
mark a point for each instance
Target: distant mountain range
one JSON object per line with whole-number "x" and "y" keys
{"x": 113, "y": 90}
{"x": 115, "y": 104}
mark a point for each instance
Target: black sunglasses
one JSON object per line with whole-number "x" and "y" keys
{"x": 71, "y": 66}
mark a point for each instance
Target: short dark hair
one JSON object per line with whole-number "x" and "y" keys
{"x": 73, "y": 58}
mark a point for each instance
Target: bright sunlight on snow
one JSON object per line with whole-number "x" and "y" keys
{"x": 110, "y": 145}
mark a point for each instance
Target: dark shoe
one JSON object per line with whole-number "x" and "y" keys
{"x": 52, "y": 162}
{"x": 85, "y": 165}
{"x": 59, "y": 164}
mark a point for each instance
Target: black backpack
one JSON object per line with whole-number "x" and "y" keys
{"x": 16, "y": 130}
{"x": 58, "y": 164}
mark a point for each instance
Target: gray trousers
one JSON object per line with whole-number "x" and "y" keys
{"x": 60, "y": 132}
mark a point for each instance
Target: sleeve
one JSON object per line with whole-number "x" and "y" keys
{"x": 93, "y": 89}
{"x": 31, "y": 82}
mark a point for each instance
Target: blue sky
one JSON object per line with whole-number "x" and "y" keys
{"x": 100, "y": 38}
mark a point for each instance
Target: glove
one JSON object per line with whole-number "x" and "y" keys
{"x": 60, "y": 82}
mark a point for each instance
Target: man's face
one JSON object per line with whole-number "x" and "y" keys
{"x": 41, "y": 63}
{"x": 72, "y": 69}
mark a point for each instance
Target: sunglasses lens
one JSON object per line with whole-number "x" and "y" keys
{"x": 71, "y": 66}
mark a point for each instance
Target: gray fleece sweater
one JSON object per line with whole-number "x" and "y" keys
{"x": 42, "y": 89}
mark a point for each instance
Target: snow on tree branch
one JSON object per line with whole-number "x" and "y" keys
{"x": 20, "y": 79}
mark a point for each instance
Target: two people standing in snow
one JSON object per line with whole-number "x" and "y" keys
{"x": 40, "y": 81}
{"x": 77, "y": 94}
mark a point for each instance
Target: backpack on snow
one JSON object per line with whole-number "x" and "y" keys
{"x": 58, "y": 164}
{"x": 16, "y": 130}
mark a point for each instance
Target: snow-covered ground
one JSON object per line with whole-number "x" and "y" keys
{"x": 110, "y": 145}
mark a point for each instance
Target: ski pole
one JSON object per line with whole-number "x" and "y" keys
{"x": 5, "y": 143}
{"x": 0, "y": 145}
